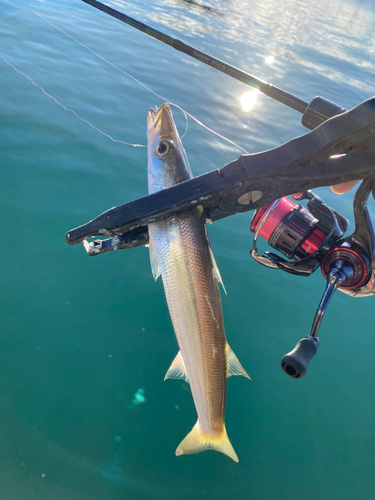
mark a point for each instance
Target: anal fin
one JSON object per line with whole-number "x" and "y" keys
{"x": 234, "y": 367}
{"x": 177, "y": 369}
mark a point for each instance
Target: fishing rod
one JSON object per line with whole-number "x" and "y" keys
{"x": 314, "y": 113}
{"x": 267, "y": 88}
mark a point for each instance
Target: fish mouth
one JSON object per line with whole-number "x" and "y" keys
{"x": 160, "y": 120}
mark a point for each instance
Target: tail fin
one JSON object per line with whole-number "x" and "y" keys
{"x": 197, "y": 441}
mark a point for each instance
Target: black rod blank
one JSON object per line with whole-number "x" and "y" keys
{"x": 267, "y": 88}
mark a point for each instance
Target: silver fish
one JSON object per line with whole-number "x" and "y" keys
{"x": 180, "y": 251}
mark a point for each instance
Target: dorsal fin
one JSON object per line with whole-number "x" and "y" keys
{"x": 234, "y": 367}
{"x": 177, "y": 369}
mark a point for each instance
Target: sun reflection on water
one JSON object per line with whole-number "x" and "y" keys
{"x": 248, "y": 99}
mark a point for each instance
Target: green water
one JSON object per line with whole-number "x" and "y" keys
{"x": 80, "y": 336}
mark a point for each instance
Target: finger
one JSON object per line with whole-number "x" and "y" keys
{"x": 343, "y": 187}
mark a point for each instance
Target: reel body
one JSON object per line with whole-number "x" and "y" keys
{"x": 312, "y": 238}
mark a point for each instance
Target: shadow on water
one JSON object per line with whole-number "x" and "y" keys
{"x": 196, "y": 5}
{"x": 112, "y": 470}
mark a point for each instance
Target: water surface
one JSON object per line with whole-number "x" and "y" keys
{"x": 80, "y": 336}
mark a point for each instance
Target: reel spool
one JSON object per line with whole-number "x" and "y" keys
{"x": 313, "y": 238}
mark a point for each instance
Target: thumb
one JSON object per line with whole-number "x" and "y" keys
{"x": 343, "y": 187}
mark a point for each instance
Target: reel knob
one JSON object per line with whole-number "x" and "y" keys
{"x": 296, "y": 362}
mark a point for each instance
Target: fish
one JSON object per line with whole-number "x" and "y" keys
{"x": 180, "y": 251}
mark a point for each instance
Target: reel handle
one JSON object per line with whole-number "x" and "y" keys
{"x": 296, "y": 362}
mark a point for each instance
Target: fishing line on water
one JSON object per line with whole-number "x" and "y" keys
{"x": 69, "y": 110}
{"x": 186, "y": 113}
{"x": 82, "y": 119}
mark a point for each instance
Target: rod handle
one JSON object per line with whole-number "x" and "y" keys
{"x": 318, "y": 111}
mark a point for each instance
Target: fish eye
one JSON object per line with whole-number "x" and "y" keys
{"x": 163, "y": 148}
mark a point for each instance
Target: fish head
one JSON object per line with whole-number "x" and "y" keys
{"x": 167, "y": 161}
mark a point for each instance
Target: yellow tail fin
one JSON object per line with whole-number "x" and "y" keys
{"x": 197, "y": 441}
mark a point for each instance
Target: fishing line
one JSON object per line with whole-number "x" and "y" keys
{"x": 186, "y": 119}
{"x": 70, "y": 110}
{"x": 82, "y": 119}
{"x": 135, "y": 79}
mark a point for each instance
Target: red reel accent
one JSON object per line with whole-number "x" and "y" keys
{"x": 283, "y": 207}
{"x": 313, "y": 242}
{"x": 353, "y": 258}
{"x": 297, "y": 196}
{"x": 257, "y": 216}
{"x": 276, "y": 216}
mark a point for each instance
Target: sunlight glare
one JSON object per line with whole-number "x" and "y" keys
{"x": 269, "y": 60}
{"x": 248, "y": 99}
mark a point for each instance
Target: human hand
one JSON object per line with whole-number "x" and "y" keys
{"x": 343, "y": 187}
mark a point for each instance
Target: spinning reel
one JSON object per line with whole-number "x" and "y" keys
{"x": 313, "y": 238}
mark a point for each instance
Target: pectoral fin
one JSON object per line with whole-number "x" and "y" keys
{"x": 197, "y": 441}
{"x": 234, "y": 367}
{"x": 155, "y": 268}
{"x": 214, "y": 265}
{"x": 177, "y": 369}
